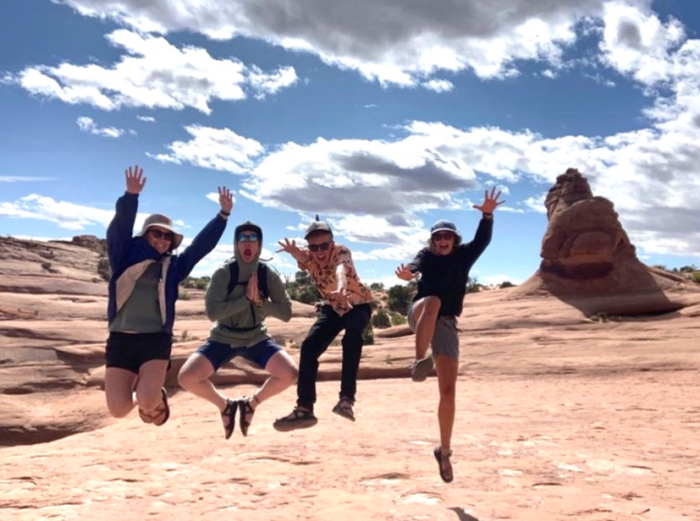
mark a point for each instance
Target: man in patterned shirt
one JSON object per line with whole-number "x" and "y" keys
{"x": 346, "y": 307}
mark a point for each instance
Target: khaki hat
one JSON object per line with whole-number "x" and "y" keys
{"x": 164, "y": 222}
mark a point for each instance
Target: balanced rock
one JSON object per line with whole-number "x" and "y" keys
{"x": 589, "y": 261}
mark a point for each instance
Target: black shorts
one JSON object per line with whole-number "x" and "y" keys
{"x": 131, "y": 350}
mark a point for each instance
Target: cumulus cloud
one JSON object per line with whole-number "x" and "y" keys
{"x": 391, "y": 41}
{"x": 88, "y": 125}
{"x": 152, "y": 74}
{"x": 146, "y": 119}
{"x": 217, "y": 149}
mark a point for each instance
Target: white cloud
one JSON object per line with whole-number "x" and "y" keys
{"x": 88, "y": 125}
{"x": 23, "y": 179}
{"x": 152, "y": 74}
{"x": 439, "y": 85}
{"x": 67, "y": 215}
{"x": 390, "y": 41}
{"x": 217, "y": 149}
{"x": 146, "y": 119}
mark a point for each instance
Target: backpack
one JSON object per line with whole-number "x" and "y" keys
{"x": 262, "y": 279}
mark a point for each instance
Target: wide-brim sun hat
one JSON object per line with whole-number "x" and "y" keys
{"x": 164, "y": 222}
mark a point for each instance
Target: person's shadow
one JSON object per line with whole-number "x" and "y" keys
{"x": 462, "y": 515}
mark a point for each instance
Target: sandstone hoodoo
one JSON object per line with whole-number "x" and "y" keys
{"x": 589, "y": 261}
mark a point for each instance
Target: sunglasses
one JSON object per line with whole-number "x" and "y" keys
{"x": 322, "y": 247}
{"x": 157, "y": 234}
{"x": 445, "y": 236}
{"x": 251, "y": 237}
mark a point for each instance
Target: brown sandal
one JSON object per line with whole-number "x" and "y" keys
{"x": 444, "y": 464}
{"x": 247, "y": 412}
{"x": 229, "y": 417}
{"x": 161, "y": 413}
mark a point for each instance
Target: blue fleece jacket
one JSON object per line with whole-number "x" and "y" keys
{"x": 125, "y": 251}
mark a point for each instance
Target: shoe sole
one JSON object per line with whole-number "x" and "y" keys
{"x": 421, "y": 370}
{"x": 340, "y": 413}
{"x": 299, "y": 424}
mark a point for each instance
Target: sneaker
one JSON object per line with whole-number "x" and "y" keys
{"x": 299, "y": 418}
{"x": 421, "y": 369}
{"x": 444, "y": 464}
{"x": 344, "y": 408}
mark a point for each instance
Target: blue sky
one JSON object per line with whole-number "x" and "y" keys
{"x": 382, "y": 116}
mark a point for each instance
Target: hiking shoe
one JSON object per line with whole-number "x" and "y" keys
{"x": 344, "y": 408}
{"x": 421, "y": 369}
{"x": 299, "y": 418}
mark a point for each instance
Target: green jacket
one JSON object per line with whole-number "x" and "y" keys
{"x": 239, "y": 322}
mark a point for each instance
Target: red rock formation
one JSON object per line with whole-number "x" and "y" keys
{"x": 589, "y": 261}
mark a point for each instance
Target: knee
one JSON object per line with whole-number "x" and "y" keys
{"x": 119, "y": 410}
{"x": 292, "y": 375}
{"x": 186, "y": 378}
{"x": 432, "y": 305}
{"x": 448, "y": 392}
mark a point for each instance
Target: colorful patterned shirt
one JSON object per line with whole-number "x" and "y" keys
{"x": 326, "y": 279}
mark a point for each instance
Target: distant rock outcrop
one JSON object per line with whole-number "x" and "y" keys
{"x": 589, "y": 261}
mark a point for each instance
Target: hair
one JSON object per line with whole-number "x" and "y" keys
{"x": 318, "y": 233}
{"x": 455, "y": 245}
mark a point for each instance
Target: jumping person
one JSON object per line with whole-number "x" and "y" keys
{"x": 444, "y": 271}
{"x": 241, "y": 294}
{"x": 142, "y": 292}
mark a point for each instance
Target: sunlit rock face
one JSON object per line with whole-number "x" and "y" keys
{"x": 584, "y": 239}
{"x": 589, "y": 262}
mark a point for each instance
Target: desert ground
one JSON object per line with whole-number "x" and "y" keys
{"x": 561, "y": 416}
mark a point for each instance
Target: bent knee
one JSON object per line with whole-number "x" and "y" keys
{"x": 432, "y": 304}
{"x": 119, "y": 410}
{"x": 187, "y": 379}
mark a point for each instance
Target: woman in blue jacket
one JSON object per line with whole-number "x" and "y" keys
{"x": 143, "y": 289}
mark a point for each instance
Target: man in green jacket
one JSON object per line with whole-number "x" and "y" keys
{"x": 239, "y": 308}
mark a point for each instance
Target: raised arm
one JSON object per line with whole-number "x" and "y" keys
{"x": 207, "y": 239}
{"x": 120, "y": 230}
{"x": 482, "y": 237}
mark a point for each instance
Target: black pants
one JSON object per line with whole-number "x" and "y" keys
{"x": 328, "y": 325}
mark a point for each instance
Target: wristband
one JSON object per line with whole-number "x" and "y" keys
{"x": 224, "y": 213}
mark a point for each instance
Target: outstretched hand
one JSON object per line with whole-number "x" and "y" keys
{"x": 404, "y": 273}
{"x": 134, "y": 180}
{"x": 225, "y": 199}
{"x": 291, "y": 248}
{"x": 490, "y": 203}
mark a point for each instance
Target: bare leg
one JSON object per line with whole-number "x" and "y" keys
{"x": 426, "y": 312}
{"x": 148, "y": 391}
{"x": 194, "y": 377}
{"x": 447, "y": 369}
{"x": 119, "y": 391}
{"x": 283, "y": 373}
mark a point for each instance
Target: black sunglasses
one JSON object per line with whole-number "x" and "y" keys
{"x": 446, "y": 236}
{"x": 316, "y": 247}
{"x": 251, "y": 237}
{"x": 157, "y": 234}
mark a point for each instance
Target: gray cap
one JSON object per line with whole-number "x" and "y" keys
{"x": 445, "y": 226}
{"x": 317, "y": 226}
